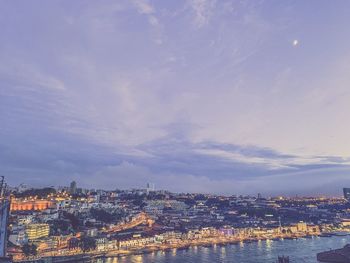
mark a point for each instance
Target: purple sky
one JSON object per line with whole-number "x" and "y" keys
{"x": 193, "y": 95}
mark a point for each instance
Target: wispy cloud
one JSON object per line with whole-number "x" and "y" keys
{"x": 143, "y": 6}
{"x": 203, "y": 11}
{"x": 198, "y": 95}
{"x": 28, "y": 75}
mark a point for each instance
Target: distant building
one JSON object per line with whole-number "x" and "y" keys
{"x": 150, "y": 187}
{"x": 73, "y": 188}
{"x": 346, "y": 192}
{"x": 22, "y": 187}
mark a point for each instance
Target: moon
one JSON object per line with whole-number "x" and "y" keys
{"x": 295, "y": 42}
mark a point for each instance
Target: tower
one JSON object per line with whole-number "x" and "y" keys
{"x": 4, "y": 214}
{"x": 73, "y": 188}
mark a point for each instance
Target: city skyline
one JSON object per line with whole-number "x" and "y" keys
{"x": 228, "y": 97}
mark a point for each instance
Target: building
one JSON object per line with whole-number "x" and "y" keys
{"x": 345, "y": 222}
{"x": 346, "y": 192}
{"x": 302, "y": 227}
{"x": 136, "y": 241}
{"x": 27, "y": 205}
{"x": 150, "y": 187}
{"x": 19, "y": 238}
{"x": 36, "y": 231}
{"x": 73, "y": 188}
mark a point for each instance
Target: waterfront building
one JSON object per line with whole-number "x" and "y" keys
{"x": 301, "y": 227}
{"x": 101, "y": 243}
{"x": 345, "y": 222}
{"x": 226, "y": 231}
{"x": 136, "y": 242}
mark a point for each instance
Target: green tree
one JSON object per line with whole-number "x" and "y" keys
{"x": 101, "y": 215}
{"x": 87, "y": 244}
{"x": 41, "y": 193}
{"x": 74, "y": 220}
{"x": 29, "y": 250}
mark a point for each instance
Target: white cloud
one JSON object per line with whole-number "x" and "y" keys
{"x": 233, "y": 82}
{"x": 143, "y": 7}
{"x": 203, "y": 11}
{"x": 30, "y": 76}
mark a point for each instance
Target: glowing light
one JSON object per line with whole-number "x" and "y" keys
{"x": 295, "y": 42}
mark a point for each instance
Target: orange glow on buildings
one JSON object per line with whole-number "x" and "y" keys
{"x": 26, "y": 205}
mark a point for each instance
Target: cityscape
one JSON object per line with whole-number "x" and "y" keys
{"x": 69, "y": 223}
{"x": 183, "y": 131}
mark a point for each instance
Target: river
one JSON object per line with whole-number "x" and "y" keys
{"x": 299, "y": 250}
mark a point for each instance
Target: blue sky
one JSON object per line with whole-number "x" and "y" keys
{"x": 193, "y": 95}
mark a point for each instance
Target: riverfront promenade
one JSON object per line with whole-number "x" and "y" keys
{"x": 65, "y": 255}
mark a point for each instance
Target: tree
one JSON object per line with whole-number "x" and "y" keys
{"x": 41, "y": 193}
{"x": 87, "y": 244}
{"x": 29, "y": 250}
{"x": 101, "y": 215}
{"x": 74, "y": 220}
{"x": 58, "y": 226}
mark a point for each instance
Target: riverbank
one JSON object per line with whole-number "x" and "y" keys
{"x": 180, "y": 245}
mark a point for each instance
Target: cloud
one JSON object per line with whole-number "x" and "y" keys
{"x": 203, "y": 11}
{"x": 171, "y": 162}
{"x": 134, "y": 88}
{"x": 28, "y": 75}
{"x": 143, "y": 7}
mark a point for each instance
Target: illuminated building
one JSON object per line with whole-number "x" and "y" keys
{"x": 26, "y": 205}
{"x": 345, "y": 223}
{"x": 36, "y": 231}
{"x": 302, "y": 227}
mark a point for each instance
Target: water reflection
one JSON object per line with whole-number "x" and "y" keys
{"x": 268, "y": 244}
{"x": 302, "y": 250}
{"x": 222, "y": 254}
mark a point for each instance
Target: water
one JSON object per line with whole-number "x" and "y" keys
{"x": 299, "y": 250}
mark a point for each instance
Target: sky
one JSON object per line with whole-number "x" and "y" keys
{"x": 213, "y": 96}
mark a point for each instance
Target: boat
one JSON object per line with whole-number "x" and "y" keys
{"x": 326, "y": 235}
{"x": 289, "y": 238}
{"x": 340, "y": 233}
